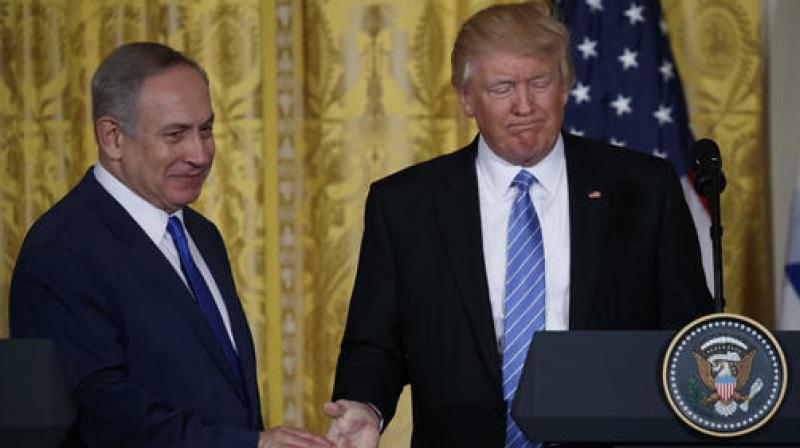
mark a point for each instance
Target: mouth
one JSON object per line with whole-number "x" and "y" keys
{"x": 192, "y": 180}
{"x": 525, "y": 126}
{"x": 190, "y": 174}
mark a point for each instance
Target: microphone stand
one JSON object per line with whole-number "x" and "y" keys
{"x": 715, "y": 230}
{"x": 710, "y": 182}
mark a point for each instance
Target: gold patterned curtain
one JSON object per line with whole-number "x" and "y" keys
{"x": 315, "y": 99}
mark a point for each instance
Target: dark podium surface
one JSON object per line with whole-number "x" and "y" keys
{"x": 605, "y": 387}
{"x": 35, "y": 409}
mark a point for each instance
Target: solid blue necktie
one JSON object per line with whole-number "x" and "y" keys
{"x": 524, "y": 295}
{"x": 205, "y": 300}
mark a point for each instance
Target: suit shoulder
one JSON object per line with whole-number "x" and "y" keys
{"x": 67, "y": 220}
{"x": 60, "y": 243}
{"x": 616, "y": 159}
{"x": 426, "y": 175}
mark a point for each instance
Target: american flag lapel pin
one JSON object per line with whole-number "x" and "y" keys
{"x": 595, "y": 194}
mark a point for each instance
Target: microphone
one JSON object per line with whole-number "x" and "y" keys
{"x": 708, "y": 167}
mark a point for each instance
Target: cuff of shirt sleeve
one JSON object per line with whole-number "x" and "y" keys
{"x": 378, "y": 413}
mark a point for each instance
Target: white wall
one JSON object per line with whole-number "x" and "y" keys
{"x": 782, "y": 56}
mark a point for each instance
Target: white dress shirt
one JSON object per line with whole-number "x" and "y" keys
{"x": 153, "y": 222}
{"x": 551, "y": 200}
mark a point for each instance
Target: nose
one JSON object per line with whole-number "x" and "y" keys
{"x": 199, "y": 149}
{"x": 523, "y": 101}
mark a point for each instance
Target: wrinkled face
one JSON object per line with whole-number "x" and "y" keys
{"x": 518, "y": 104}
{"x": 170, "y": 157}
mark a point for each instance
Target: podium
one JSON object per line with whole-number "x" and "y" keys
{"x": 592, "y": 387}
{"x": 35, "y": 407}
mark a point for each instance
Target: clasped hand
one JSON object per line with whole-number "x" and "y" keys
{"x": 353, "y": 424}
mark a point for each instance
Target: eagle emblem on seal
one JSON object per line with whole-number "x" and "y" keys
{"x": 724, "y": 375}
{"x": 724, "y": 364}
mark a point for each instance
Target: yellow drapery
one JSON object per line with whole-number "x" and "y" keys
{"x": 314, "y": 99}
{"x": 717, "y": 45}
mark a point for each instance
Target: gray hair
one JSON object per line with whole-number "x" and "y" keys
{"x": 118, "y": 79}
{"x": 528, "y": 29}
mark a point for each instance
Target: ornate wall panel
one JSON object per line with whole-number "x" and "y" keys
{"x": 285, "y": 292}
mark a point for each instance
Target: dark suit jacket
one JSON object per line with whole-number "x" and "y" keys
{"x": 144, "y": 366}
{"x": 420, "y": 311}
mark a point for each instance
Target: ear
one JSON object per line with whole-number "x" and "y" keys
{"x": 466, "y": 99}
{"x": 109, "y": 136}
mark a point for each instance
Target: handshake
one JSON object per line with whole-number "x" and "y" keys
{"x": 353, "y": 425}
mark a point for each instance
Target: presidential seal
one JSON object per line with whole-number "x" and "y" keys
{"x": 724, "y": 375}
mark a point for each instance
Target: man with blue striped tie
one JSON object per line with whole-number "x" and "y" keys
{"x": 466, "y": 256}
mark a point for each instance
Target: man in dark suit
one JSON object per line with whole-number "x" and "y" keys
{"x": 133, "y": 287}
{"x": 465, "y": 256}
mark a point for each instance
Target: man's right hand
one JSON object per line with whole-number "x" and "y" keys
{"x": 283, "y": 437}
{"x": 353, "y": 424}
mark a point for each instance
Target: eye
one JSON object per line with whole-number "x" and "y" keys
{"x": 500, "y": 89}
{"x": 206, "y": 131}
{"x": 540, "y": 83}
{"x": 175, "y": 135}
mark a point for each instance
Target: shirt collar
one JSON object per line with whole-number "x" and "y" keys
{"x": 150, "y": 218}
{"x": 500, "y": 173}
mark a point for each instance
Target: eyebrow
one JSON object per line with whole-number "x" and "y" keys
{"x": 184, "y": 126}
{"x": 499, "y": 81}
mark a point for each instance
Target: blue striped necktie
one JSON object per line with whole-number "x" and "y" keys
{"x": 205, "y": 300}
{"x": 524, "y": 295}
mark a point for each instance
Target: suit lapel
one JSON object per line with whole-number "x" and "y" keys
{"x": 588, "y": 211}
{"x": 156, "y": 269}
{"x": 459, "y": 217}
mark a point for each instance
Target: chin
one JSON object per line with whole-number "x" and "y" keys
{"x": 184, "y": 199}
{"x": 528, "y": 157}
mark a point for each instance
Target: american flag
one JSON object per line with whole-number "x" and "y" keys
{"x": 627, "y": 89}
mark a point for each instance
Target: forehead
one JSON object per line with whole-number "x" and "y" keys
{"x": 503, "y": 64}
{"x": 177, "y": 94}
